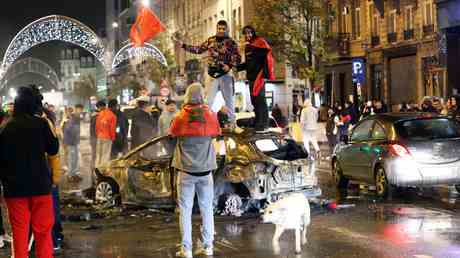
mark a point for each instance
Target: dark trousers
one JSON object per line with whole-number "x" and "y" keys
{"x": 260, "y": 107}
{"x": 57, "y": 227}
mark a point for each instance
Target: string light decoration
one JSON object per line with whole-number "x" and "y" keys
{"x": 130, "y": 51}
{"x": 49, "y": 28}
{"x": 30, "y": 65}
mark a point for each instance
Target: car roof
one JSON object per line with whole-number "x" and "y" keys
{"x": 398, "y": 117}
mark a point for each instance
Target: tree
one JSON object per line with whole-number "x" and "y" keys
{"x": 297, "y": 30}
{"x": 85, "y": 88}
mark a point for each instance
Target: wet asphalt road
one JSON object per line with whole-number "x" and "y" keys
{"x": 415, "y": 223}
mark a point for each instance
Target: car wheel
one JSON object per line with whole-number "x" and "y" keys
{"x": 457, "y": 187}
{"x": 337, "y": 174}
{"x": 107, "y": 192}
{"x": 383, "y": 188}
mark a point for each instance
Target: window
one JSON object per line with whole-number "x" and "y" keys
{"x": 357, "y": 23}
{"x": 428, "y": 12}
{"x": 409, "y": 18}
{"x": 374, "y": 20}
{"x": 428, "y": 129}
{"x": 392, "y": 22}
{"x": 362, "y": 131}
{"x": 378, "y": 133}
{"x": 157, "y": 150}
{"x": 345, "y": 19}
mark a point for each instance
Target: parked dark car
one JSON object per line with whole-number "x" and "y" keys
{"x": 257, "y": 167}
{"x": 400, "y": 150}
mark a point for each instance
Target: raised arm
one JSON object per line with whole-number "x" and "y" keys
{"x": 196, "y": 49}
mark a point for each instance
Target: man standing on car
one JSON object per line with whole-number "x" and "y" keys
{"x": 223, "y": 55}
{"x": 194, "y": 127}
{"x": 259, "y": 67}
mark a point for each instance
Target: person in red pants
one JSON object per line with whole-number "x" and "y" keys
{"x": 26, "y": 141}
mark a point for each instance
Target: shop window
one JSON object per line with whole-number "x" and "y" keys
{"x": 269, "y": 98}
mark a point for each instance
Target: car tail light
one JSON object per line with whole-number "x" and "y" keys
{"x": 399, "y": 150}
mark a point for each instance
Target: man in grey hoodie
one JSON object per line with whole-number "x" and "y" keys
{"x": 194, "y": 127}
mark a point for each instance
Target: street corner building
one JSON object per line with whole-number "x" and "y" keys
{"x": 396, "y": 50}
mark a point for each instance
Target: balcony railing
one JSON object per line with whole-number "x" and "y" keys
{"x": 392, "y": 37}
{"x": 428, "y": 29}
{"x": 375, "y": 41}
{"x": 408, "y": 34}
{"x": 344, "y": 44}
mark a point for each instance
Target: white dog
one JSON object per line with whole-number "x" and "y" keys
{"x": 290, "y": 212}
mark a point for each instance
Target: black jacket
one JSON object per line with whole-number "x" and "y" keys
{"x": 121, "y": 139}
{"x": 25, "y": 142}
{"x": 142, "y": 127}
{"x": 255, "y": 61}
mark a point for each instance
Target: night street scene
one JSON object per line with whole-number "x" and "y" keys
{"x": 230, "y": 129}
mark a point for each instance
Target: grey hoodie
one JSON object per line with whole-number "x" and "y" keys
{"x": 194, "y": 154}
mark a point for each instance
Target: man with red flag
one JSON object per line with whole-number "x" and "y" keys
{"x": 146, "y": 27}
{"x": 259, "y": 68}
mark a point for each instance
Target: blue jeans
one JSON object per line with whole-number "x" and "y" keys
{"x": 226, "y": 85}
{"x": 187, "y": 186}
{"x": 73, "y": 160}
{"x": 57, "y": 227}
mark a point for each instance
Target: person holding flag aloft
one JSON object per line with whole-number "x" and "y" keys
{"x": 259, "y": 68}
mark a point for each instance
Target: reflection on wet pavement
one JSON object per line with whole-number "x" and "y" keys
{"x": 415, "y": 224}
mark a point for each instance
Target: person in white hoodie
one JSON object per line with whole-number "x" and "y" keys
{"x": 309, "y": 126}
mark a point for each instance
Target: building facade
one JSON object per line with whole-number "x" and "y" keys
{"x": 385, "y": 50}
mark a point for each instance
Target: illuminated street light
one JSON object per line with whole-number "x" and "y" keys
{"x": 145, "y": 2}
{"x": 115, "y": 25}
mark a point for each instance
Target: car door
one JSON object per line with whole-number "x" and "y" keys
{"x": 354, "y": 158}
{"x": 374, "y": 149}
{"x": 150, "y": 175}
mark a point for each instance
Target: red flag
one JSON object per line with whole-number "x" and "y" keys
{"x": 259, "y": 83}
{"x": 146, "y": 27}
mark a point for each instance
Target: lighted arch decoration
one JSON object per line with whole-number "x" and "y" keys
{"x": 49, "y": 28}
{"x": 130, "y": 51}
{"x": 30, "y": 65}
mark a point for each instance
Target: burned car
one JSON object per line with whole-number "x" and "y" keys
{"x": 256, "y": 167}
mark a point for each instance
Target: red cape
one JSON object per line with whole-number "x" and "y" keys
{"x": 259, "y": 42}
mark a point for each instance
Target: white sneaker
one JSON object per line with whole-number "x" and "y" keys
{"x": 184, "y": 253}
{"x": 208, "y": 251}
{"x": 6, "y": 238}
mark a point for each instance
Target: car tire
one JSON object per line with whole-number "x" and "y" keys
{"x": 340, "y": 181}
{"x": 107, "y": 192}
{"x": 457, "y": 187}
{"x": 383, "y": 188}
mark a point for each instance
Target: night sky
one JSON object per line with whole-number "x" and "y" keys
{"x": 15, "y": 14}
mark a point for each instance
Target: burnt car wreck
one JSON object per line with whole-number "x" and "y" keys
{"x": 254, "y": 169}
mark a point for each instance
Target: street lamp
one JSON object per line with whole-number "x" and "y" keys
{"x": 145, "y": 3}
{"x": 115, "y": 25}
{"x": 13, "y": 93}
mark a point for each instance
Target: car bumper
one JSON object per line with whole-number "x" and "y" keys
{"x": 407, "y": 172}
{"x": 309, "y": 192}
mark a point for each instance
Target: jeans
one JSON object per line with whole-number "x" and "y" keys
{"x": 226, "y": 84}
{"x": 260, "y": 108}
{"x": 34, "y": 212}
{"x": 309, "y": 136}
{"x": 103, "y": 151}
{"x": 57, "y": 227}
{"x": 73, "y": 159}
{"x": 187, "y": 186}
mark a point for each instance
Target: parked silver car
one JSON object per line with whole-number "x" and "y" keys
{"x": 400, "y": 150}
